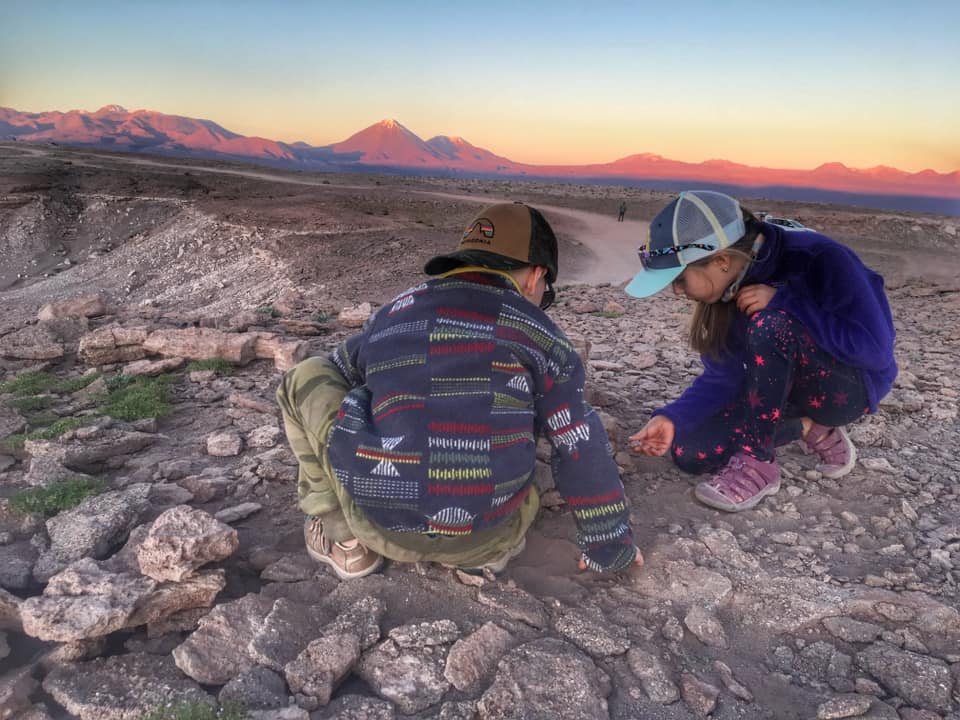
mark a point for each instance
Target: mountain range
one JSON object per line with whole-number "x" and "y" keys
{"x": 389, "y": 146}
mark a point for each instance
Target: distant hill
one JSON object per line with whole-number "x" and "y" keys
{"x": 389, "y": 146}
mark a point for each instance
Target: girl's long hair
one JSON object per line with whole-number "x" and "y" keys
{"x": 710, "y": 325}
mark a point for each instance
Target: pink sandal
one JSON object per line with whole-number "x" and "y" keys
{"x": 740, "y": 485}
{"x": 834, "y": 448}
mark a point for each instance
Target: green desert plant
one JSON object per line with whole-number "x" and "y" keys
{"x": 267, "y": 310}
{"x": 32, "y": 382}
{"x": 195, "y": 711}
{"x": 30, "y": 403}
{"x": 218, "y": 365}
{"x": 137, "y": 398}
{"x": 56, "y": 497}
{"x": 71, "y": 385}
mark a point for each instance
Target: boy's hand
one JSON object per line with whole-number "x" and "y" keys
{"x": 637, "y": 561}
{"x": 655, "y": 438}
{"x": 754, "y": 298}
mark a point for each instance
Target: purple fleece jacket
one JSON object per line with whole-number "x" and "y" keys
{"x": 838, "y": 299}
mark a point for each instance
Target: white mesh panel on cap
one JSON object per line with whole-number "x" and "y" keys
{"x": 709, "y": 218}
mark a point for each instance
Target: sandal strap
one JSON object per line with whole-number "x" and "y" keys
{"x": 738, "y": 481}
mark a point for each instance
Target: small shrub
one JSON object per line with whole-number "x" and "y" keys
{"x": 137, "y": 398}
{"x": 60, "y": 427}
{"x": 218, "y": 365}
{"x": 32, "y": 382}
{"x": 196, "y": 711}
{"x": 322, "y": 316}
{"x": 71, "y": 385}
{"x": 268, "y": 310}
{"x": 30, "y": 403}
{"x": 609, "y": 314}
{"x": 14, "y": 442}
{"x": 56, "y": 497}
{"x": 42, "y": 419}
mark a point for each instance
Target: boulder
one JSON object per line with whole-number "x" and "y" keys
{"x": 16, "y": 687}
{"x": 83, "y": 306}
{"x": 183, "y": 539}
{"x": 284, "y": 353}
{"x": 152, "y": 368}
{"x": 224, "y": 444}
{"x": 653, "y": 675}
{"x": 317, "y": 671}
{"x": 113, "y": 344}
{"x": 216, "y": 652}
{"x": 543, "y": 680}
{"x": 84, "y": 601}
{"x": 407, "y": 669}
{"x": 121, "y": 687}
{"x": 594, "y": 635}
{"x": 91, "y": 529}
{"x": 473, "y": 658}
{"x": 922, "y": 681}
{"x": 90, "y": 454}
{"x": 256, "y": 689}
{"x": 355, "y": 316}
{"x": 202, "y": 344}
{"x": 36, "y": 342}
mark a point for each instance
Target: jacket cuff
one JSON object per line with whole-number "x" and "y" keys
{"x": 610, "y": 558}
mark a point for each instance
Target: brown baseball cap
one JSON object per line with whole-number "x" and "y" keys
{"x": 503, "y": 237}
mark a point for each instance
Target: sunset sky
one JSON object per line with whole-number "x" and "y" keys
{"x": 763, "y": 82}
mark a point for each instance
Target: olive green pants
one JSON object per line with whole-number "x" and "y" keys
{"x": 310, "y": 396}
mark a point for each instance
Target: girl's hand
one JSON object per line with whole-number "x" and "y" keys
{"x": 754, "y": 298}
{"x": 655, "y": 438}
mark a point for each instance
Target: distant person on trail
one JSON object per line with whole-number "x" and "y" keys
{"x": 796, "y": 338}
{"x": 417, "y": 437}
{"x": 621, "y": 210}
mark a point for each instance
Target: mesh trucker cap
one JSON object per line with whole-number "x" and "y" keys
{"x": 695, "y": 225}
{"x": 503, "y": 237}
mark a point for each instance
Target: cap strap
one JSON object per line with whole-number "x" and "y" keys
{"x": 480, "y": 268}
{"x": 708, "y": 214}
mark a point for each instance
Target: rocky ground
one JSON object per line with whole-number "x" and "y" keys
{"x": 182, "y": 576}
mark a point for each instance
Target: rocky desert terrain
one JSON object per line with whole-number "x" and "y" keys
{"x": 151, "y": 554}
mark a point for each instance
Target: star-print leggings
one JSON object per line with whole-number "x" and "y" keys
{"x": 788, "y": 377}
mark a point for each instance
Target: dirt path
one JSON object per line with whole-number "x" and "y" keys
{"x": 610, "y": 247}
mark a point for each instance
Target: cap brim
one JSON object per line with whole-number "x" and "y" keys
{"x": 445, "y": 263}
{"x": 649, "y": 282}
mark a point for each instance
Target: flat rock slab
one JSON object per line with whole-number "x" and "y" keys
{"x": 921, "y": 680}
{"x": 122, "y": 687}
{"x": 90, "y": 454}
{"x": 217, "y": 651}
{"x": 682, "y": 581}
{"x": 36, "y": 342}
{"x": 84, "y": 601}
{"x": 473, "y": 658}
{"x": 92, "y": 529}
{"x": 544, "y": 680}
{"x": 407, "y": 669}
{"x": 654, "y": 676}
{"x": 591, "y": 634}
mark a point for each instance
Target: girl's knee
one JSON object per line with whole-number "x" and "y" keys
{"x": 765, "y": 327}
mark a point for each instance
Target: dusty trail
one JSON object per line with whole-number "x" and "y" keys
{"x": 611, "y": 246}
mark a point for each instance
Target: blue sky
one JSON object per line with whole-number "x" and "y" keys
{"x": 780, "y": 84}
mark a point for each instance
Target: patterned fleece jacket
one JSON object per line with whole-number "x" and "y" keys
{"x": 453, "y": 381}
